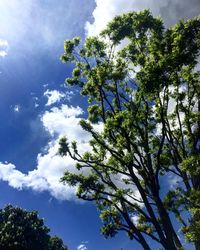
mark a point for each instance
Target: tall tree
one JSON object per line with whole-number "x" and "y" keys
{"x": 147, "y": 95}
{"x": 20, "y": 229}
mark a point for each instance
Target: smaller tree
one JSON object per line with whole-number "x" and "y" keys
{"x": 55, "y": 243}
{"x": 20, "y": 229}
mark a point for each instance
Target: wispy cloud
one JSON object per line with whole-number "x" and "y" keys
{"x": 53, "y": 96}
{"x": 3, "y": 48}
{"x": 173, "y": 181}
{"x": 17, "y": 108}
{"x": 170, "y": 10}
{"x": 82, "y": 247}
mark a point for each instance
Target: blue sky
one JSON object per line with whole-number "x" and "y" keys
{"x": 36, "y": 107}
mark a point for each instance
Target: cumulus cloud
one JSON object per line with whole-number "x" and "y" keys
{"x": 63, "y": 120}
{"x": 50, "y": 166}
{"x": 171, "y": 11}
{"x": 45, "y": 177}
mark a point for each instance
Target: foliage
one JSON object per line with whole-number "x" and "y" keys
{"x": 147, "y": 95}
{"x": 20, "y": 229}
{"x": 55, "y": 243}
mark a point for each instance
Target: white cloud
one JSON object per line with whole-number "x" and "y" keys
{"x": 17, "y": 108}
{"x": 170, "y": 10}
{"x": 82, "y": 247}
{"x": 10, "y": 174}
{"x": 52, "y": 22}
{"x": 44, "y": 178}
{"x": 3, "y": 48}
{"x": 35, "y": 99}
{"x": 64, "y": 120}
{"x": 3, "y": 43}
{"x": 53, "y": 96}
{"x": 3, "y": 53}
{"x": 50, "y": 166}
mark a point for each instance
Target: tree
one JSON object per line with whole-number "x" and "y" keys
{"x": 147, "y": 96}
{"x": 56, "y": 243}
{"x": 20, "y": 229}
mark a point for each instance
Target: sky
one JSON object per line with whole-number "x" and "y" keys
{"x": 36, "y": 107}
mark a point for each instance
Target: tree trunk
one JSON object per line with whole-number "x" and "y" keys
{"x": 173, "y": 242}
{"x": 197, "y": 245}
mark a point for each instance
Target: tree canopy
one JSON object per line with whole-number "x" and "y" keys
{"x": 143, "y": 168}
{"x": 20, "y": 229}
